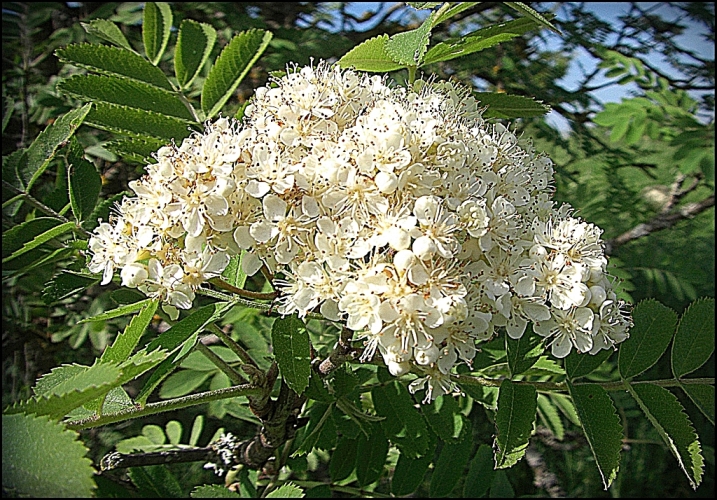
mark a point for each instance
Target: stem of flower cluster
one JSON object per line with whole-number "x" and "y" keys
{"x": 234, "y": 376}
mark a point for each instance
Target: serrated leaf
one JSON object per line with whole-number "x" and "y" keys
{"x": 445, "y": 419}
{"x": 454, "y": 9}
{"x": 674, "y": 426}
{"x": 14, "y": 238}
{"x": 233, "y": 273}
{"x": 292, "y": 350}
{"x": 119, "y": 311}
{"x": 126, "y": 341}
{"x": 125, "y": 92}
{"x": 566, "y": 407}
{"x": 510, "y": 106}
{"x": 213, "y": 491}
{"x": 48, "y": 143}
{"x": 409, "y": 48}
{"x": 373, "y": 451}
{"x": 550, "y": 417}
{"x": 695, "y": 337}
{"x": 319, "y": 414}
{"x": 194, "y": 44}
{"x": 703, "y": 396}
{"x": 524, "y": 352}
{"x": 450, "y": 467}
{"x": 40, "y": 458}
{"x": 234, "y": 62}
{"x": 445, "y": 51}
{"x": 410, "y": 472}
{"x": 343, "y": 459}
{"x": 136, "y": 149}
{"x": 581, "y": 364}
{"x": 601, "y": 426}
{"x": 514, "y": 419}
{"x": 527, "y": 11}
{"x": 370, "y": 56}
{"x": 137, "y": 122}
{"x": 40, "y": 239}
{"x": 481, "y": 473}
{"x": 66, "y": 284}
{"x": 113, "y": 61}
{"x": 654, "y": 327}
{"x": 403, "y": 425}
{"x": 84, "y": 182}
{"x": 155, "y": 481}
{"x": 156, "y": 27}
{"x": 107, "y": 30}
{"x": 287, "y": 490}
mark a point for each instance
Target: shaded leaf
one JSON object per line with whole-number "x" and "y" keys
{"x": 182, "y": 383}
{"x": 403, "y": 425}
{"x": 40, "y": 458}
{"x": 524, "y": 352}
{"x": 113, "y": 61}
{"x": 672, "y": 423}
{"x": 514, "y": 419}
{"x": 136, "y": 149}
{"x": 695, "y": 337}
{"x": 481, "y": 473}
{"x": 527, "y": 11}
{"x": 156, "y": 27}
{"x": 125, "y": 92}
{"x": 445, "y": 419}
{"x": 510, "y": 106}
{"x": 40, "y": 239}
{"x": 155, "y": 481}
{"x": 194, "y": 44}
{"x": 66, "y": 284}
{"x": 213, "y": 491}
{"x": 137, "y": 122}
{"x": 84, "y": 182}
{"x": 234, "y": 62}
{"x": 450, "y": 466}
{"x": 343, "y": 459}
{"x": 579, "y": 364}
{"x": 372, "y": 451}
{"x": 370, "y": 55}
{"x": 292, "y": 350}
{"x": 550, "y": 417}
{"x": 601, "y": 426}
{"x": 445, "y": 51}
{"x": 454, "y": 9}
{"x": 119, "y": 311}
{"x": 107, "y": 30}
{"x": 286, "y": 490}
{"x": 703, "y": 396}
{"x": 410, "y": 472}
{"x": 649, "y": 338}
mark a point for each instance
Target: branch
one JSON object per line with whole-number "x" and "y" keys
{"x": 343, "y": 351}
{"x": 659, "y": 222}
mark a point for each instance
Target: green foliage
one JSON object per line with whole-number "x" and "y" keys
{"x": 41, "y": 459}
{"x": 194, "y": 45}
{"x": 156, "y": 28}
{"x": 695, "y": 338}
{"x": 451, "y": 462}
{"x": 403, "y": 425}
{"x": 514, "y": 420}
{"x": 370, "y": 55}
{"x": 654, "y": 328}
{"x": 291, "y": 341}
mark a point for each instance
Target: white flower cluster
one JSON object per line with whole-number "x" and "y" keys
{"x": 396, "y": 211}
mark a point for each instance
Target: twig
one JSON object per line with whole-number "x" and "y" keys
{"x": 234, "y": 346}
{"x": 342, "y": 352}
{"x": 234, "y": 376}
{"x": 121, "y": 460}
{"x": 248, "y": 294}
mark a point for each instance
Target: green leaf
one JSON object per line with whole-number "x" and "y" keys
{"x": 403, "y": 425}
{"x": 619, "y": 130}
{"x": 524, "y": 10}
{"x": 68, "y": 387}
{"x": 287, "y": 490}
{"x": 566, "y": 407}
{"x": 703, "y": 396}
{"x": 524, "y": 352}
{"x": 156, "y": 27}
{"x": 233, "y": 273}
{"x": 14, "y": 238}
{"x": 65, "y": 284}
{"x": 514, "y": 419}
{"x": 40, "y": 458}
{"x": 481, "y": 473}
{"x": 113, "y": 61}
{"x": 343, "y": 459}
{"x": 581, "y": 364}
{"x": 453, "y": 10}
{"x": 137, "y": 122}
{"x": 601, "y": 426}
{"x": 510, "y": 106}
{"x": 41, "y": 239}
{"x": 409, "y": 48}
{"x": 155, "y": 481}
{"x": 119, "y": 311}
{"x": 672, "y": 423}
{"x": 136, "y": 149}
{"x": 194, "y": 44}
{"x": 234, "y": 62}
{"x": 319, "y": 415}
{"x": 550, "y": 417}
{"x": 450, "y": 467}
{"x": 292, "y": 350}
{"x": 445, "y": 419}
{"x": 124, "y": 344}
{"x": 410, "y": 472}
{"x": 107, "y": 30}
{"x": 84, "y": 182}
{"x": 182, "y": 383}
{"x": 48, "y": 143}
{"x": 213, "y": 491}
{"x": 695, "y": 338}
{"x": 373, "y": 451}
{"x": 125, "y": 92}
{"x": 649, "y": 338}
{"x": 371, "y": 56}
{"x": 445, "y": 51}
{"x": 501, "y": 487}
